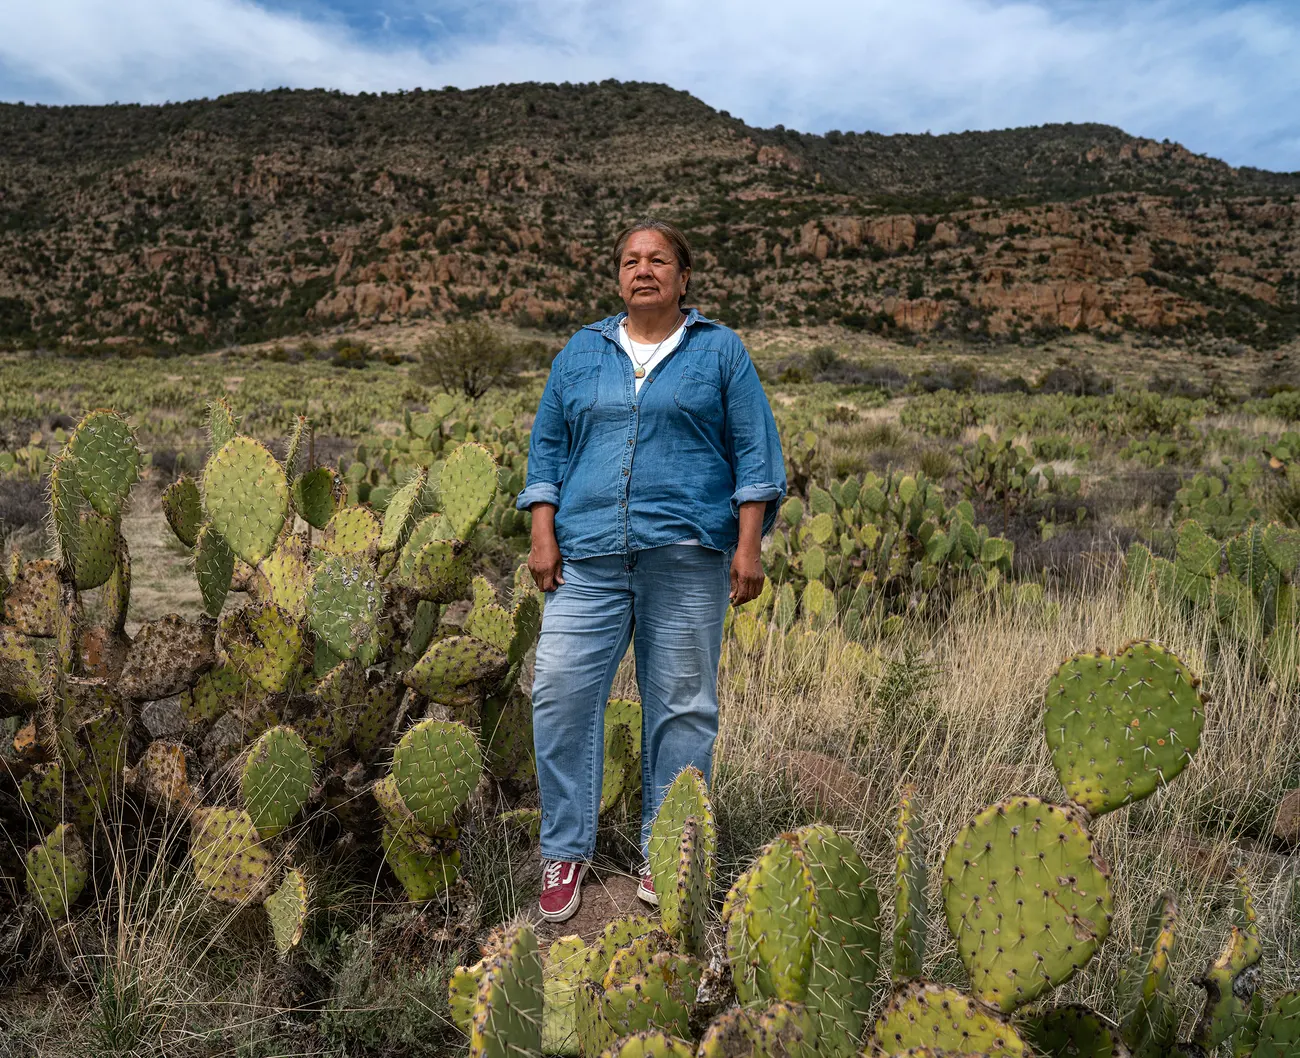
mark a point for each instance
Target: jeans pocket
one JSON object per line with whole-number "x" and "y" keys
{"x": 699, "y": 396}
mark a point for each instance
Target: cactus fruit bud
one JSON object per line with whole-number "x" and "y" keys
{"x": 920, "y": 1014}
{"x": 276, "y": 780}
{"x": 57, "y": 871}
{"x": 228, "y": 860}
{"x": 1120, "y": 726}
{"x": 436, "y": 766}
{"x": 910, "y": 916}
{"x": 287, "y": 910}
{"x": 1024, "y": 869}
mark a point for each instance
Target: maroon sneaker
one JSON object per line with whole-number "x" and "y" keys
{"x": 645, "y": 891}
{"x": 561, "y": 889}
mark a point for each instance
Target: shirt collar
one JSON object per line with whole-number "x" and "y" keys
{"x": 608, "y": 327}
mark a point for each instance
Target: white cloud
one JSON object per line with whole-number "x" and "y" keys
{"x": 1221, "y": 80}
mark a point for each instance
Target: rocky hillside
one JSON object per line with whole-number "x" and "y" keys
{"x": 261, "y": 214}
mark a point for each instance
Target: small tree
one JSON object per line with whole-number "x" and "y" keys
{"x": 469, "y": 358}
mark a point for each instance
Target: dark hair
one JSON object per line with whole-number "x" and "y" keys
{"x": 681, "y": 248}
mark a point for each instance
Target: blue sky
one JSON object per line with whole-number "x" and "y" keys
{"x": 1223, "y": 78}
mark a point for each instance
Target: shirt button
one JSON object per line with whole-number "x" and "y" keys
{"x": 630, "y": 441}
{"x": 626, "y": 472}
{"x": 634, "y": 407}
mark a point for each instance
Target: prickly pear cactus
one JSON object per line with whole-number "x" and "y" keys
{"x": 1230, "y": 980}
{"x": 683, "y": 898}
{"x": 276, "y": 780}
{"x": 782, "y": 1030}
{"x": 1279, "y": 1029}
{"x": 467, "y": 485}
{"x": 182, "y": 506}
{"x": 436, "y": 766}
{"x": 57, "y": 871}
{"x": 246, "y": 496}
{"x": 343, "y": 607}
{"x": 1119, "y": 727}
{"x": 1026, "y": 898}
{"x": 107, "y": 461}
{"x": 1070, "y": 1031}
{"x": 229, "y": 862}
{"x": 801, "y": 927}
{"x": 1151, "y": 1024}
{"x": 263, "y": 642}
{"x": 650, "y": 1044}
{"x": 507, "y": 1016}
{"x": 909, "y": 892}
{"x": 920, "y": 1014}
{"x": 286, "y": 909}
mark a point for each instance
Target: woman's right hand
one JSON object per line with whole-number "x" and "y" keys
{"x": 544, "y": 561}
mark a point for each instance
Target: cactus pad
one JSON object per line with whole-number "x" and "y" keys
{"x": 507, "y": 1018}
{"x": 316, "y": 496}
{"x": 95, "y": 553}
{"x": 276, "y": 780}
{"x": 214, "y": 566}
{"x": 343, "y": 606}
{"x": 107, "y": 461}
{"x": 650, "y": 1044}
{"x": 1150, "y": 1026}
{"x": 166, "y": 657}
{"x": 620, "y": 769}
{"x": 1026, "y": 899}
{"x": 1120, "y": 726}
{"x": 182, "y": 506}
{"x": 215, "y": 692}
{"x": 660, "y": 998}
{"x": 440, "y": 571}
{"x": 783, "y": 1030}
{"x": 691, "y": 891}
{"x": 1279, "y": 1029}
{"x": 686, "y": 797}
{"x": 263, "y": 643}
{"x": 428, "y": 529}
{"x": 467, "y": 486}
{"x": 928, "y": 1015}
{"x": 31, "y": 605}
{"x": 1070, "y": 1031}
{"x": 222, "y": 424}
{"x": 20, "y": 668}
{"x": 909, "y": 892}
{"x": 1230, "y": 980}
{"x": 436, "y": 766}
{"x": 487, "y": 619}
{"x": 453, "y": 663}
{"x": 402, "y": 511}
{"x": 373, "y": 728}
{"x": 161, "y": 776}
{"x": 352, "y": 531}
{"x": 288, "y": 575}
{"x": 246, "y": 496}
{"x": 287, "y": 910}
{"x": 229, "y": 863}
{"x": 57, "y": 871}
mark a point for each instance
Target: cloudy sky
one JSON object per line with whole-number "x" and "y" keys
{"x": 1221, "y": 77}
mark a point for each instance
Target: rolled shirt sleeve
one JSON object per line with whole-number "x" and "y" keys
{"x": 548, "y": 450}
{"x": 753, "y": 442}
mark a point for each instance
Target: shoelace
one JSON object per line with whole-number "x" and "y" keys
{"x": 551, "y": 876}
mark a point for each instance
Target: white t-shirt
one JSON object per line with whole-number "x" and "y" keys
{"x": 645, "y": 356}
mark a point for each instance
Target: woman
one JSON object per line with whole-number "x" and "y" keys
{"x": 654, "y": 469}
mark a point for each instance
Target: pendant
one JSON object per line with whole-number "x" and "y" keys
{"x": 639, "y": 372}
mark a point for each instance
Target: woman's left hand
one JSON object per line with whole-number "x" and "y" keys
{"x": 746, "y": 575}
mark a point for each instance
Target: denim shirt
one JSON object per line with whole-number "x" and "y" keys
{"x": 629, "y": 471}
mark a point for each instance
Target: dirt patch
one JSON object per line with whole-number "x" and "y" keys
{"x": 162, "y": 580}
{"x": 605, "y": 897}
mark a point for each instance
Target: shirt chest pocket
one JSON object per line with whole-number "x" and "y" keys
{"x": 699, "y": 396}
{"x": 581, "y": 388}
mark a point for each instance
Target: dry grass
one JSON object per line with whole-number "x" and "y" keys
{"x": 959, "y": 715}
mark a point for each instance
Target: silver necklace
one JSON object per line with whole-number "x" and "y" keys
{"x": 639, "y": 370}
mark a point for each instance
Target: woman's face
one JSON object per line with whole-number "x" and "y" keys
{"x": 648, "y": 276}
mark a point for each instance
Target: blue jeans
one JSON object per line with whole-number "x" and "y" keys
{"x": 670, "y": 602}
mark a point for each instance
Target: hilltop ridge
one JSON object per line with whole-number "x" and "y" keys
{"x": 259, "y": 214}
